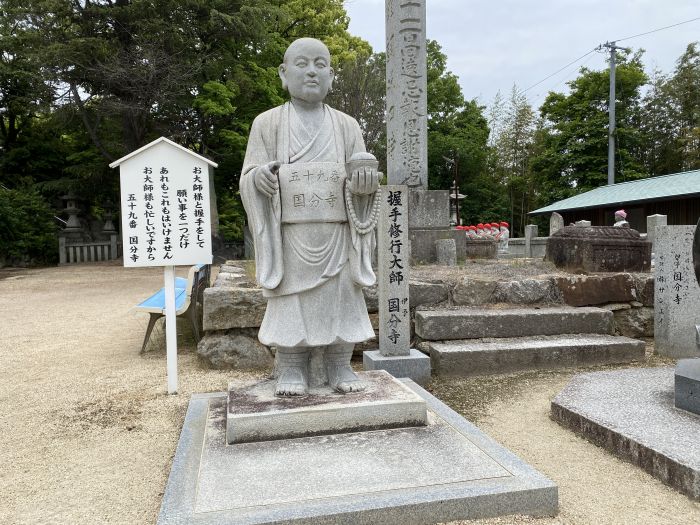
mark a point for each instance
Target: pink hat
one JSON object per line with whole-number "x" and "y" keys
{"x": 621, "y": 213}
{"x": 504, "y": 223}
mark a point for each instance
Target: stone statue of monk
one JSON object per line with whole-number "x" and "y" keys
{"x": 312, "y": 270}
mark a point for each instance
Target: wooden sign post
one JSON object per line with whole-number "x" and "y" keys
{"x": 166, "y": 221}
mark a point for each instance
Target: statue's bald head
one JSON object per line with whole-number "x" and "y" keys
{"x": 304, "y": 45}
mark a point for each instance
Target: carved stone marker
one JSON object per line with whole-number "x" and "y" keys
{"x": 676, "y": 294}
{"x": 599, "y": 249}
{"x": 406, "y": 94}
{"x": 556, "y": 223}
{"x": 446, "y": 250}
{"x": 652, "y": 222}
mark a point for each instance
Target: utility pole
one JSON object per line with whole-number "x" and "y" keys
{"x": 612, "y": 48}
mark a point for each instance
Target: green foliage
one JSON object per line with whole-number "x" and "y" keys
{"x": 231, "y": 217}
{"x": 27, "y": 229}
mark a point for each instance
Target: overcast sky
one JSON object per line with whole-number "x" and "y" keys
{"x": 492, "y": 44}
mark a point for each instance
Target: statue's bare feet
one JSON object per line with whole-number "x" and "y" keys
{"x": 342, "y": 379}
{"x": 292, "y": 382}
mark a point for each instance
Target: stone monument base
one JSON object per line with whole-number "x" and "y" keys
{"x": 687, "y": 385}
{"x": 255, "y": 414}
{"x": 415, "y": 365}
{"x": 631, "y": 414}
{"x": 445, "y": 471}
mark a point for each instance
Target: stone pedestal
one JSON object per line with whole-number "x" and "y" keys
{"x": 687, "y": 385}
{"x": 416, "y": 365}
{"x": 254, "y": 413}
{"x": 481, "y": 248}
{"x": 446, "y": 250}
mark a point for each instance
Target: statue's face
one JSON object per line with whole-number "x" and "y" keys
{"x": 306, "y": 71}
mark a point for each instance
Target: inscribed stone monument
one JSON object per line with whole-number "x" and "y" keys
{"x": 556, "y": 223}
{"x": 676, "y": 294}
{"x": 308, "y": 187}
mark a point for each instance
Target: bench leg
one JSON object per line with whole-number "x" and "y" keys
{"x": 151, "y": 323}
{"x": 193, "y": 321}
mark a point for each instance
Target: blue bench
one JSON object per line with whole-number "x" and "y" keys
{"x": 188, "y": 293}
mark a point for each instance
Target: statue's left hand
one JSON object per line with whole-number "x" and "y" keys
{"x": 364, "y": 181}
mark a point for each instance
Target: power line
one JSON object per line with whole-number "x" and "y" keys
{"x": 557, "y": 71}
{"x": 659, "y": 29}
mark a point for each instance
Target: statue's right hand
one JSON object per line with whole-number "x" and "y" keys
{"x": 266, "y": 180}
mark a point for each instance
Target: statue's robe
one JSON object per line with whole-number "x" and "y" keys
{"x": 311, "y": 273}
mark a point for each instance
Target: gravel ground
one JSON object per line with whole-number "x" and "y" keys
{"x": 87, "y": 432}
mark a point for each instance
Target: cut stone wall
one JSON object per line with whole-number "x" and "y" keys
{"x": 234, "y": 306}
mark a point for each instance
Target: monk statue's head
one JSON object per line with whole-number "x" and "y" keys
{"x": 306, "y": 71}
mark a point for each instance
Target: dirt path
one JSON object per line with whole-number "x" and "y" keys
{"x": 87, "y": 433}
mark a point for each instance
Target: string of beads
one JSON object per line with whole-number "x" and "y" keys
{"x": 362, "y": 227}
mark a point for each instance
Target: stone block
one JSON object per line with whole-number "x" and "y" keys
{"x": 415, "y": 366}
{"x": 469, "y": 291}
{"x": 446, "y": 252}
{"x": 423, "y": 244}
{"x": 556, "y": 223}
{"x": 481, "y": 248}
{"x": 479, "y": 323}
{"x": 254, "y": 413}
{"x": 448, "y": 470}
{"x": 677, "y": 294}
{"x": 644, "y": 285}
{"x": 588, "y": 290}
{"x": 652, "y": 222}
{"x": 236, "y": 348}
{"x": 504, "y": 355}
{"x": 687, "y": 385}
{"x": 422, "y": 293}
{"x": 234, "y": 307}
{"x": 635, "y": 322}
{"x": 429, "y": 209}
{"x": 526, "y": 291}
{"x": 631, "y": 414}
{"x": 599, "y": 249}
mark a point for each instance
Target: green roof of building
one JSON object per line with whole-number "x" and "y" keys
{"x": 625, "y": 193}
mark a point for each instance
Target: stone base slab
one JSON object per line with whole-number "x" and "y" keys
{"x": 415, "y": 366}
{"x": 687, "y": 385}
{"x": 255, "y": 414}
{"x": 631, "y": 414}
{"x": 448, "y": 470}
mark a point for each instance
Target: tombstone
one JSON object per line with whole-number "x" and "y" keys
{"x": 652, "y": 222}
{"x": 446, "y": 250}
{"x": 556, "y": 223}
{"x": 530, "y": 234}
{"x": 676, "y": 293}
{"x": 395, "y": 354}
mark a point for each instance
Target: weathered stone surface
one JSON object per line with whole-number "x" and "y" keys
{"x": 471, "y": 291}
{"x": 652, "y": 222}
{"x": 644, "y": 284}
{"x": 480, "y": 323}
{"x": 687, "y": 385}
{"x": 677, "y": 294}
{"x": 526, "y": 291}
{"x": 530, "y": 235}
{"x": 635, "y": 322}
{"x": 480, "y": 248}
{"x": 446, "y": 252}
{"x": 429, "y": 209}
{"x": 503, "y": 355}
{"x": 415, "y": 365}
{"x": 254, "y": 413}
{"x": 631, "y": 414}
{"x": 446, "y": 471}
{"x": 599, "y": 249}
{"x": 422, "y": 243}
{"x": 422, "y": 293}
{"x": 234, "y": 307}
{"x": 556, "y": 223}
{"x": 237, "y": 348}
{"x": 614, "y": 307}
{"x": 587, "y": 290}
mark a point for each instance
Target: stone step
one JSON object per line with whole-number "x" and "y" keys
{"x": 482, "y": 357}
{"x": 480, "y": 323}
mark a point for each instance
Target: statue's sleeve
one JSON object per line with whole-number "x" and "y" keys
{"x": 363, "y": 244}
{"x": 264, "y": 213}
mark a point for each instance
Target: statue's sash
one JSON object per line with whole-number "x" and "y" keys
{"x": 312, "y": 192}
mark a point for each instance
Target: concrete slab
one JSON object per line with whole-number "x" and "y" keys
{"x": 255, "y": 414}
{"x": 414, "y": 366}
{"x": 445, "y": 471}
{"x": 631, "y": 414}
{"x": 479, "y": 322}
{"x": 687, "y": 385}
{"x": 496, "y": 356}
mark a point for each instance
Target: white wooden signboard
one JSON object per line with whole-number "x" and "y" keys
{"x": 166, "y": 220}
